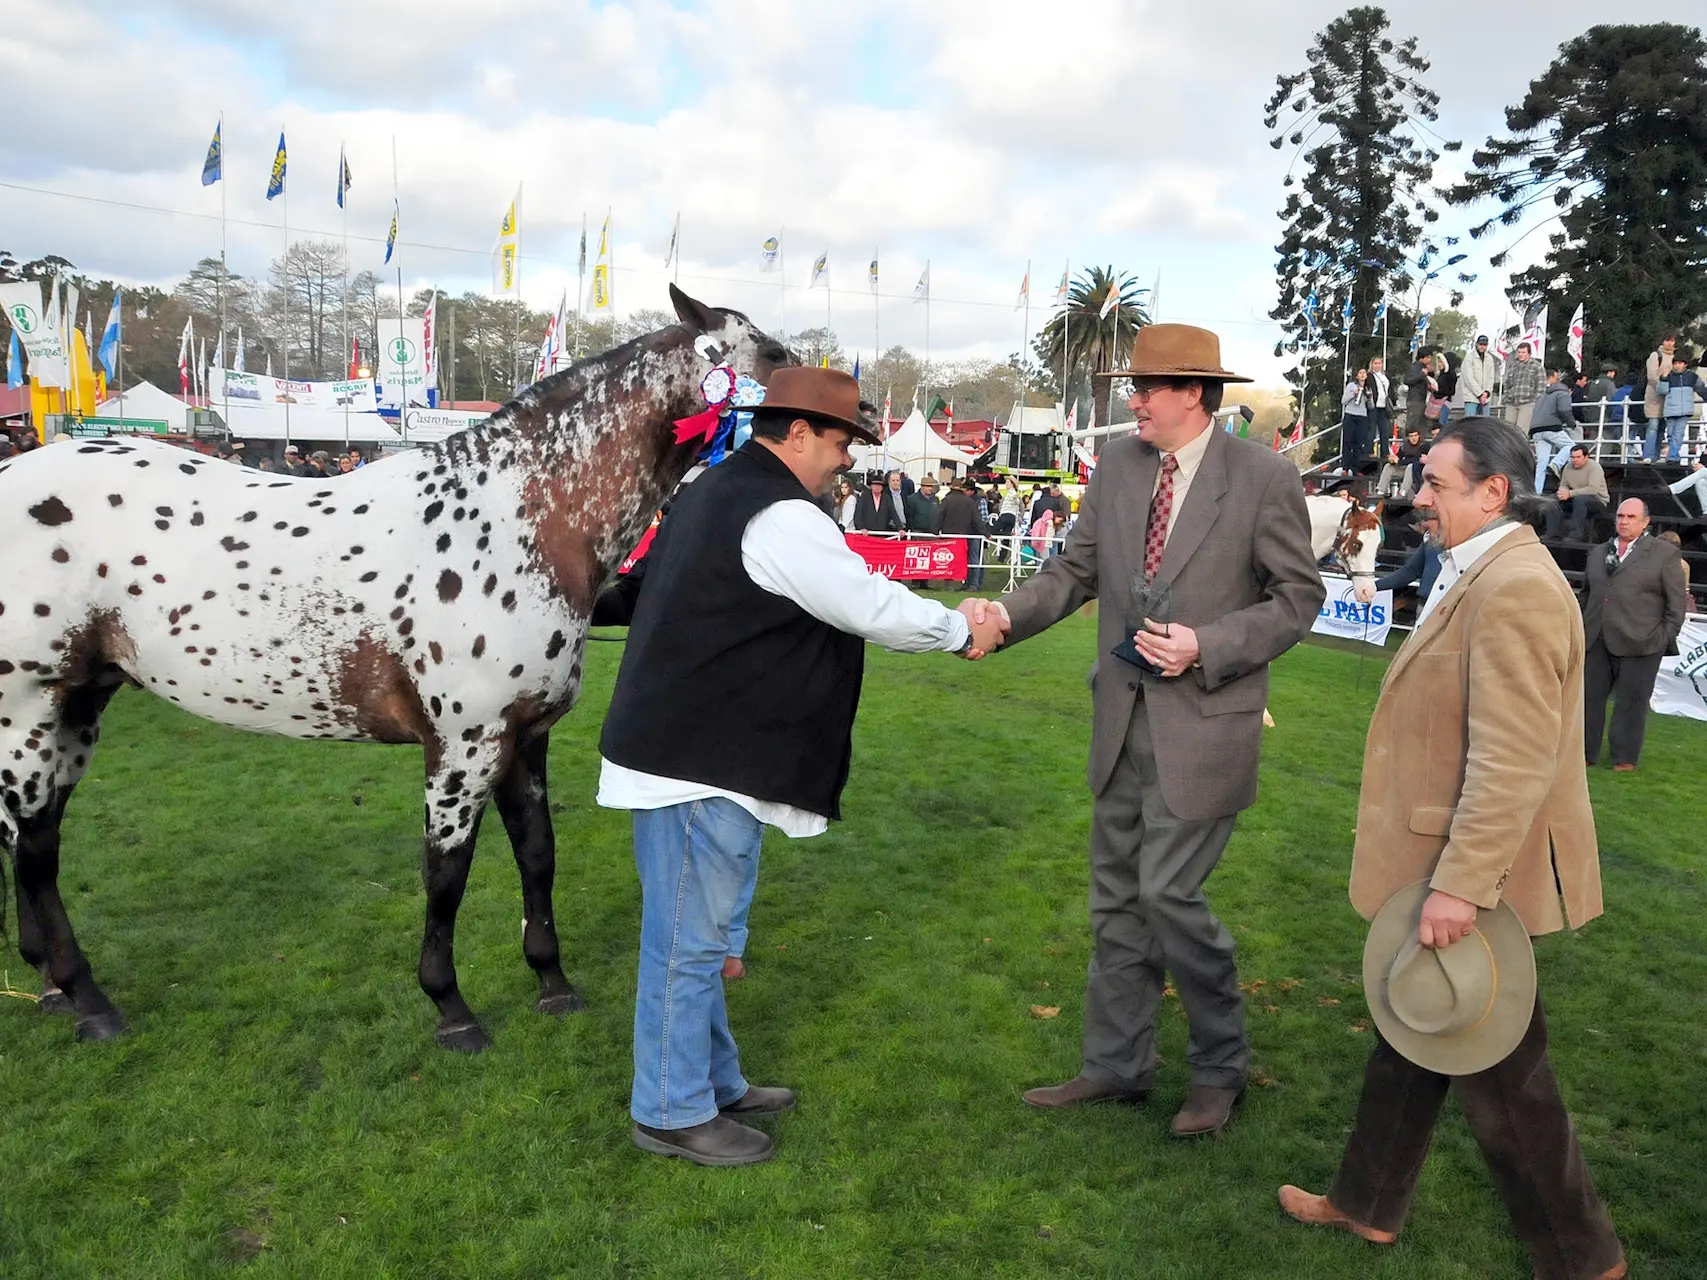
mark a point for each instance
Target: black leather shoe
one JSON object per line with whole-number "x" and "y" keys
{"x": 760, "y": 1100}
{"x": 716, "y": 1142}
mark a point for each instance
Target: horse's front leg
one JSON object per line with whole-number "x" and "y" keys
{"x": 456, "y": 798}
{"x": 522, "y": 803}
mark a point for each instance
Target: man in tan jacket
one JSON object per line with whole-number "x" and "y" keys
{"x": 1473, "y": 779}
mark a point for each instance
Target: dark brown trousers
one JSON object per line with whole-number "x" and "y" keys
{"x": 1519, "y": 1120}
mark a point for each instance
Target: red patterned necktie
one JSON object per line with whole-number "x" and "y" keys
{"x": 1161, "y": 507}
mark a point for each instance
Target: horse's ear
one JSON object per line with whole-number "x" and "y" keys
{"x": 1379, "y": 508}
{"x": 694, "y": 313}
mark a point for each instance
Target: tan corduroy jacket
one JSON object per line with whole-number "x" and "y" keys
{"x": 1473, "y": 773}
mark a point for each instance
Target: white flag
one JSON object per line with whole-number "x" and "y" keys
{"x": 1024, "y": 298}
{"x": 237, "y": 364}
{"x": 675, "y": 232}
{"x": 922, "y": 290}
{"x": 1574, "y": 343}
{"x": 768, "y": 253}
{"x": 821, "y": 271}
{"x": 506, "y": 251}
{"x": 1111, "y": 302}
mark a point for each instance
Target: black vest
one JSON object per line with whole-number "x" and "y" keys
{"x": 723, "y": 683}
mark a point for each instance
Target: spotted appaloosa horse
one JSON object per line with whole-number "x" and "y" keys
{"x": 438, "y": 597}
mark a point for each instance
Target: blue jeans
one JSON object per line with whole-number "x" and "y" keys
{"x": 974, "y": 569}
{"x": 1550, "y": 446}
{"x": 1473, "y": 409}
{"x": 1445, "y": 413}
{"x": 1675, "y": 431}
{"x": 697, "y": 862}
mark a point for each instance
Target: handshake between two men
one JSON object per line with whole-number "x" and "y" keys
{"x": 1169, "y": 647}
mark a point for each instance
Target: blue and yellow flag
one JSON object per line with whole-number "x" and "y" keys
{"x": 275, "y": 184}
{"x": 211, "y": 169}
{"x": 391, "y": 237}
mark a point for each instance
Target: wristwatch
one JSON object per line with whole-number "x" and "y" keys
{"x": 967, "y": 647}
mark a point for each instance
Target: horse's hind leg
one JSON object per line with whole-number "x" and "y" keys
{"x": 45, "y": 935}
{"x": 522, "y": 803}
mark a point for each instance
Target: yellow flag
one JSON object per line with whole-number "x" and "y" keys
{"x": 601, "y": 287}
{"x": 506, "y": 253}
{"x": 604, "y": 238}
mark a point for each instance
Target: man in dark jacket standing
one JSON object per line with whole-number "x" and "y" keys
{"x": 1420, "y": 384}
{"x": 1634, "y": 607}
{"x": 881, "y": 508}
{"x": 734, "y": 710}
{"x": 922, "y": 514}
{"x": 959, "y": 519}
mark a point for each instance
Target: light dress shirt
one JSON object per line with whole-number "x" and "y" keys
{"x": 792, "y": 549}
{"x": 1456, "y": 562}
{"x": 1187, "y": 458}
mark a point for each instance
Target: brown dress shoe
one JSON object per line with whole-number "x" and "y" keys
{"x": 1079, "y": 1092}
{"x": 716, "y": 1142}
{"x": 1624, "y": 768}
{"x": 1206, "y": 1111}
{"x": 760, "y": 1100}
{"x": 1315, "y": 1211}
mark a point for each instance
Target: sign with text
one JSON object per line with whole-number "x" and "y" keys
{"x": 944, "y": 558}
{"x": 354, "y": 394}
{"x": 402, "y": 363}
{"x": 1341, "y": 615}
{"x": 1680, "y": 689}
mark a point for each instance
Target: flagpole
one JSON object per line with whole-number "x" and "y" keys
{"x": 927, "y": 330}
{"x": 515, "y": 342}
{"x": 1024, "y": 332}
{"x": 827, "y": 321}
{"x": 782, "y": 283}
{"x": 1066, "y": 322}
{"x": 876, "y": 324}
{"x": 677, "y": 278}
{"x": 403, "y": 369}
{"x": 284, "y": 226}
{"x": 119, "y": 311}
{"x": 581, "y": 286}
{"x": 344, "y": 209}
{"x": 225, "y": 395}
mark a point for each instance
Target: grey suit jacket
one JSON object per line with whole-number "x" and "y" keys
{"x": 1242, "y": 575}
{"x": 1640, "y": 608}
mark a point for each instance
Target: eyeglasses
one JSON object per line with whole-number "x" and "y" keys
{"x": 1144, "y": 388}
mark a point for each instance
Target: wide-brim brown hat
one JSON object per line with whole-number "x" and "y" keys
{"x": 826, "y": 396}
{"x": 1454, "y": 1010}
{"x": 1177, "y": 351}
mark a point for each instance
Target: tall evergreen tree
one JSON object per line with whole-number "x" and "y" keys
{"x": 1614, "y": 136}
{"x": 1355, "y": 220}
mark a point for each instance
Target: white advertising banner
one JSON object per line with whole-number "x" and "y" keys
{"x": 1680, "y": 689}
{"x": 1341, "y": 615}
{"x": 403, "y": 361}
{"x": 354, "y": 394}
{"x": 426, "y": 426}
{"x": 43, "y": 342}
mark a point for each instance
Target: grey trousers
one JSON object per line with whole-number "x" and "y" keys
{"x": 1149, "y": 918}
{"x": 1630, "y": 683}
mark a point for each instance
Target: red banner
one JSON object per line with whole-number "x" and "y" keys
{"x": 944, "y": 558}
{"x": 912, "y": 557}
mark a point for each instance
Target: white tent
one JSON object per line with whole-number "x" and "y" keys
{"x": 915, "y": 448}
{"x": 317, "y": 426}
{"x": 1029, "y": 420}
{"x": 146, "y": 403}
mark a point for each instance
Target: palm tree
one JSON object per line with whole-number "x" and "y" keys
{"x": 1083, "y": 339}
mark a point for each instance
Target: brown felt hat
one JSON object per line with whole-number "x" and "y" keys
{"x": 826, "y": 396}
{"x": 1177, "y": 351}
{"x": 1455, "y": 1010}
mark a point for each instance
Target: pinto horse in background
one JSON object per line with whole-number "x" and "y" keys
{"x": 1346, "y": 535}
{"x": 440, "y": 597}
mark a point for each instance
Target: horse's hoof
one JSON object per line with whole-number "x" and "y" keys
{"x": 53, "y": 1000}
{"x": 560, "y": 1005}
{"x": 102, "y": 1026}
{"x": 468, "y": 1038}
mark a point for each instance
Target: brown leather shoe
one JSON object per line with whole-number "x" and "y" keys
{"x": 1624, "y": 768}
{"x": 1206, "y": 1111}
{"x": 1315, "y": 1211}
{"x": 1079, "y": 1092}
{"x": 760, "y": 1100}
{"x": 716, "y": 1142}
{"x": 1617, "y": 1272}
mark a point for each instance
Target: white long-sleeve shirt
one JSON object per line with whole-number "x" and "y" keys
{"x": 792, "y": 549}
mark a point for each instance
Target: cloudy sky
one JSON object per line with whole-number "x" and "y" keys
{"x": 977, "y": 134}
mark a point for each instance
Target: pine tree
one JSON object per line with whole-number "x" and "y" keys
{"x": 1355, "y": 220}
{"x": 1614, "y": 136}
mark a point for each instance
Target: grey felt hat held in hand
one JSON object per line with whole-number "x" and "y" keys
{"x": 1456, "y": 1010}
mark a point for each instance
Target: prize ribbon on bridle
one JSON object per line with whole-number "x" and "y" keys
{"x": 727, "y": 418}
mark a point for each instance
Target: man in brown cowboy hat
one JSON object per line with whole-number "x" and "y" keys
{"x": 1178, "y": 691}
{"x": 1473, "y": 780}
{"x": 734, "y": 710}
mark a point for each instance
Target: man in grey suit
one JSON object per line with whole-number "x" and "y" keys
{"x": 1221, "y": 522}
{"x": 1633, "y": 609}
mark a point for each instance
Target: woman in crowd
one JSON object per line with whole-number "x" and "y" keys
{"x": 847, "y": 499}
{"x": 1355, "y": 403}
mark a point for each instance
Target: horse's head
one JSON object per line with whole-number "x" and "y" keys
{"x": 721, "y": 336}
{"x": 1358, "y": 541}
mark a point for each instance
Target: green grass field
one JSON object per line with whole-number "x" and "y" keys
{"x": 253, "y": 905}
